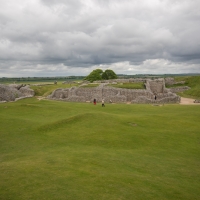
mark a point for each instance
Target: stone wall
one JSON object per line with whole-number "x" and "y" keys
{"x": 179, "y": 89}
{"x": 154, "y": 87}
{"x": 26, "y": 91}
{"x": 171, "y": 81}
{"x": 14, "y": 92}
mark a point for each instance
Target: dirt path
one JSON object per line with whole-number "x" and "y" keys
{"x": 187, "y": 101}
{"x": 40, "y": 98}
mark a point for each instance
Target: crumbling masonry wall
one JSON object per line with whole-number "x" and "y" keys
{"x": 156, "y": 86}
{"x": 118, "y": 95}
{"x": 14, "y": 92}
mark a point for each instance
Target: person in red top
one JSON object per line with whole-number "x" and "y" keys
{"x": 95, "y": 101}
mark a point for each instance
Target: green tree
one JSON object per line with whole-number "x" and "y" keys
{"x": 98, "y": 74}
{"x": 109, "y": 74}
{"x": 95, "y": 75}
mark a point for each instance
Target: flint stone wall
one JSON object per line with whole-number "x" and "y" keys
{"x": 171, "y": 81}
{"x": 154, "y": 87}
{"x": 14, "y": 92}
{"x": 179, "y": 89}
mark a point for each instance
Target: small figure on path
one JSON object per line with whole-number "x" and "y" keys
{"x": 103, "y": 105}
{"x": 95, "y": 101}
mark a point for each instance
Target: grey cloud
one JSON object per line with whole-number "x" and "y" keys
{"x": 91, "y": 33}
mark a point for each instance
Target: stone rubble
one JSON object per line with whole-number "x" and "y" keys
{"x": 196, "y": 101}
{"x": 14, "y": 92}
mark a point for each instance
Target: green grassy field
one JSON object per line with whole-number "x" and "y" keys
{"x": 61, "y": 150}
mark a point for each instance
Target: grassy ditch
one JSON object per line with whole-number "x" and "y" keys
{"x": 61, "y": 150}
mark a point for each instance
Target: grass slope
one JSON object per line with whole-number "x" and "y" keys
{"x": 59, "y": 150}
{"x": 194, "y": 83}
{"x": 45, "y": 90}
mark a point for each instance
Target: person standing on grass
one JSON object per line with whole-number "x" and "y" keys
{"x": 95, "y": 101}
{"x": 103, "y": 105}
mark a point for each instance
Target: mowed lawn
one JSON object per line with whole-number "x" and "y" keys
{"x": 61, "y": 150}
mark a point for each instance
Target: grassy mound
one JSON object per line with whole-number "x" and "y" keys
{"x": 62, "y": 150}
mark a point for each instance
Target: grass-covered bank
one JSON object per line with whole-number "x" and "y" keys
{"x": 61, "y": 150}
{"x": 194, "y": 83}
{"x": 45, "y": 90}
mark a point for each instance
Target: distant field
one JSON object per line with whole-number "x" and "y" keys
{"x": 61, "y": 150}
{"x": 32, "y": 80}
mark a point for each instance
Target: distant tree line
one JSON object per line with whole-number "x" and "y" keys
{"x": 26, "y": 79}
{"x": 97, "y": 74}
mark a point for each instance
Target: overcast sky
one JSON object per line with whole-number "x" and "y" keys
{"x": 73, "y": 37}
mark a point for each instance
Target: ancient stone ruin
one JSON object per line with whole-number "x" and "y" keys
{"x": 171, "y": 81}
{"x": 14, "y": 92}
{"x": 155, "y": 92}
